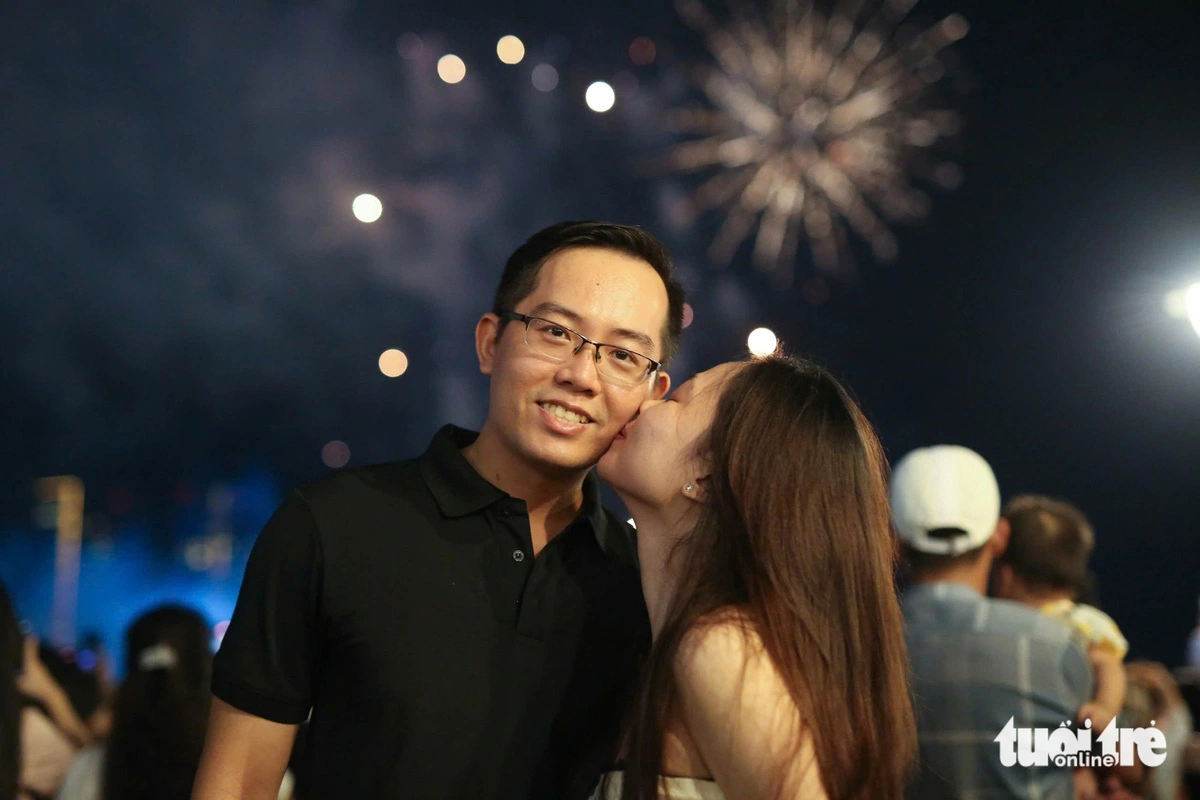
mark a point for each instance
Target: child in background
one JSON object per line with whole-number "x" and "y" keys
{"x": 1044, "y": 566}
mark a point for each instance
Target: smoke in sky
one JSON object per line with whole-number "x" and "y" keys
{"x": 182, "y": 272}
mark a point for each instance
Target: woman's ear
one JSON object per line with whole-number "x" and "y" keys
{"x": 697, "y": 489}
{"x": 701, "y": 467}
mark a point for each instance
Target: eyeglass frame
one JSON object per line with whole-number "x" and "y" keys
{"x": 514, "y": 316}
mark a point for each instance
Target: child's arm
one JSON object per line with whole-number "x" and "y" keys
{"x": 1110, "y": 687}
{"x": 1087, "y": 787}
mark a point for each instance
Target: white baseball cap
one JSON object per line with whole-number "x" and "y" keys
{"x": 940, "y": 489}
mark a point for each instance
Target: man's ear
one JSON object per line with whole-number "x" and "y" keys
{"x": 999, "y": 541}
{"x": 662, "y": 384}
{"x": 487, "y": 332}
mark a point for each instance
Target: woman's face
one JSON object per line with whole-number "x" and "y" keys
{"x": 654, "y": 457}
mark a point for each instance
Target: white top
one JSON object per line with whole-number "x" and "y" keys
{"x": 668, "y": 788}
{"x": 84, "y": 777}
{"x": 46, "y": 754}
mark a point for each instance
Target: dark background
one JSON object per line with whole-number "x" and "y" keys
{"x": 186, "y": 302}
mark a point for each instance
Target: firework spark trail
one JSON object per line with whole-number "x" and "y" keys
{"x": 814, "y": 124}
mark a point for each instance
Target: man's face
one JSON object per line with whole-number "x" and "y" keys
{"x": 562, "y": 414}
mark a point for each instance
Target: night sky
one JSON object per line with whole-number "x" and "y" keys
{"x": 184, "y": 293}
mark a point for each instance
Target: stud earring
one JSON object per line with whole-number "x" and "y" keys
{"x": 688, "y": 488}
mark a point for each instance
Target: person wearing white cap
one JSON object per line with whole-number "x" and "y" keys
{"x": 977, "y": 662}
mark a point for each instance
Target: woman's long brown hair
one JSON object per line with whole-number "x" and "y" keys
{"x": 796, "y": 534}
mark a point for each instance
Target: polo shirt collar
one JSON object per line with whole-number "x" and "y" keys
{"x": 459, "y": 490}
{"x": 455, "y": 485}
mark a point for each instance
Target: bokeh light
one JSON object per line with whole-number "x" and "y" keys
{"x": 688, "y": 314}
{"x": 600, "y": 97}
{"x": 1175, "y": 303}
{"x": 367, "y": 208}
{"x": 510, "y": 50}
{"x": 393, "y": 363}
{"x": 642, "y": 51}
{"x": 1191, "y": 302}
{"x": 762, "y": 342}
{"x": 86, "y": 660}
{"x": 335, "y": 454}
{"x": 544, "y": 77}
{"x": 451, "y": 68}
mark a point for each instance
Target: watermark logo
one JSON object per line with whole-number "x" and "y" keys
{"x": 1066, "y": 746}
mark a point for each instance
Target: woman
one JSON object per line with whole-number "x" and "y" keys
{"x": 160, "y": 715}
{"x": 39, "y": 729}
{"x": 778, "y": 667}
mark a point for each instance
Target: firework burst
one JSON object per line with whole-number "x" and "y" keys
{"x": 816, "y": 124}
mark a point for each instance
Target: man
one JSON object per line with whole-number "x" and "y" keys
{"x": 976, "y": 662}
{"x": 466, "y": 624}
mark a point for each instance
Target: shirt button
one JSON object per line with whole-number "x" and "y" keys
{"x": 518, "y": 555}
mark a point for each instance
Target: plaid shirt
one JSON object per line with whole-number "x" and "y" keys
{"x": 976, "y": 662}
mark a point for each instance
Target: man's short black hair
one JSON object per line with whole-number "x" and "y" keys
{"x": 1050, "y": 542}
{"x": 525, "y": 264}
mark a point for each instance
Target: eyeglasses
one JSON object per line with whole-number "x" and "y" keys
{"x": 614, "y": 364}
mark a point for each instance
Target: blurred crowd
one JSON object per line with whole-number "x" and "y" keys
{"x": 74, "y": 733}
{"x": 1001, "y": 612}
{"x": 1006, "y": 638}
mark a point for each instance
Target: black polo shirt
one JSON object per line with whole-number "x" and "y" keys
{"x": 402, "y": 604}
